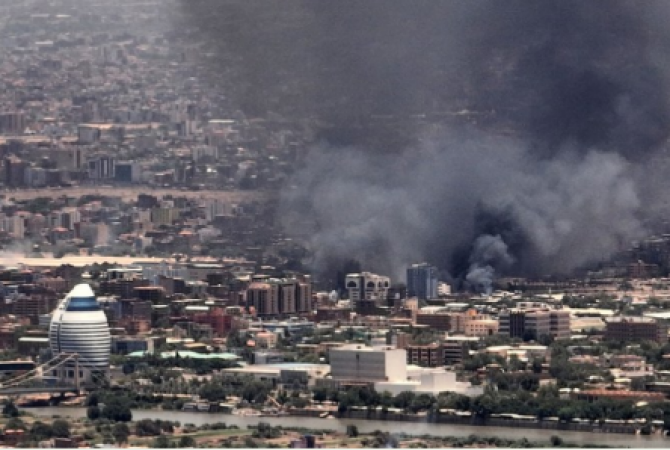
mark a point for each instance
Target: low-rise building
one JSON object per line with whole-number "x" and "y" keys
{"x": 431, "y": 355}
{"x": 628, "y": 329}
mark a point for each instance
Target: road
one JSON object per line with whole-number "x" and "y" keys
{"x": 129, "y": 193}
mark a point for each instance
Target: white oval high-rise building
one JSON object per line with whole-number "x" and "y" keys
{"x": 80, "y": 326}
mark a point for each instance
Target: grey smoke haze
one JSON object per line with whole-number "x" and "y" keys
{"x": 549, "y": 216}
{"x": 568, "y": 102}
{"x": 487, "y": 252}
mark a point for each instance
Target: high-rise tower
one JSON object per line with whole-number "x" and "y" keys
{"x": 422, "y": 281}
{"x": 80, "y": 326}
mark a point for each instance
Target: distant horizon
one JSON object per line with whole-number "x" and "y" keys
{"x": 82, "y": 261}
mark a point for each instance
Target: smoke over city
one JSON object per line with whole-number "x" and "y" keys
{"x": 484, "y": 137}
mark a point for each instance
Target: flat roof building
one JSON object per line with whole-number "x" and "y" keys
{"x": 369, "y": 364}
{"x": 636, "y": 329}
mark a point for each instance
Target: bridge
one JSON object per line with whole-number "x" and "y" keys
{"x": 38, "y": 390}
{"x": 33, "y": 381}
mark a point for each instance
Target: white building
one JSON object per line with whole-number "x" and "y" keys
{"x": 280, "y": 373}
{"x": 431, "y": 381}
{"x": 386, "y": 368}
{"x": 443, "y": 289}
{"x": 152, "y": 271}
{"x": 367, "y": 286}
{"x": 361, "y": 363}
{"x": 80, "y": 326}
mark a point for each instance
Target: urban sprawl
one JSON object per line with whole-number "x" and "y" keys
{"x": 143, "y": 273}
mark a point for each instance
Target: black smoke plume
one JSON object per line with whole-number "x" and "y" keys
{"x": 533, "y": 123}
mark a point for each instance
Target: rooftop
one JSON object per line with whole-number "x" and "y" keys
{"x": 187, "y": 354}
{"x": 630, "y": 319}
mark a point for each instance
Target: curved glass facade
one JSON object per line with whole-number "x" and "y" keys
{"x": 83, "y": 304}
{"x": 80, "y": 326}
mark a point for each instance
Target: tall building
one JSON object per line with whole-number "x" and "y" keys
{"x": 127, "y": 172}
{"x": 165, "y": 216}
{"x": 304, "y": 301}
{"x": 367, "y": 286}
{"x": 422, "y": 281}
{"x": 279, "y": 297}
{"x": 15, "y": 171}
{"x": 101, "y": 168}
{"x": 636, "y": 329}
{"x": 559, "y": 324}
{"x": 12, "y": 122}
{"x": 79, "y": 326}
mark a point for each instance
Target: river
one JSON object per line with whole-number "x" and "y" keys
{"x": 614, "y": 440}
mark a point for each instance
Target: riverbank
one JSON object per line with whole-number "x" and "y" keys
{"x": 466, "y": 419}
{"x": 391, "y": 426}
{"x": 27, "y": 430}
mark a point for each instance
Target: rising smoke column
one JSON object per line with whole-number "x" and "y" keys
{"x": 568, "y": 102}
{"x": 487, "y": 252}
{"x": 552, "y": 215}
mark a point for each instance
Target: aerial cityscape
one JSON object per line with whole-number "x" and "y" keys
{"x": 351, "y": 224}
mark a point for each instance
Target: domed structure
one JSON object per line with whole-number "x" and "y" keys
{"x": 80, "y": 326}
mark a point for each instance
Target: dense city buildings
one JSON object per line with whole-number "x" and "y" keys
{"x": 144, "y": 237}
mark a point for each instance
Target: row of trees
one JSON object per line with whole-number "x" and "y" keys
{"x": 248, "y": 388}
{"x": 114, "y": 407}
{"x": 166, "y": 383}
{"x": 165, "y": 442}
{"x": 547, "y": 403}
{"x": 199, "y": 366}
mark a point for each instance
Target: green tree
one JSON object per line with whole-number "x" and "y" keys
{"x": 61, "y": 428}
{"x": 213, "y": 392}
{"x": 484, "y": 405}
{"x": 404, "y": 399}
{"x": 421, "y": 402}
{"x": 40, "y": 431}
{"x": 566, "y": 414}
{"x": 93, "y": 412}
{"x": 161, "y": 442}
{"x": 15, "y": 423}
{"x": 118, "y": 410}
{"x": 147, "y": 427}
{"x": 556, "y": 441}
{"x": 515, "y": 364}
{"x": 386, "y": 399}
{"x": 93, "y": 399}
{"x": 320, "y": 394}
{"x": 186, "y": 441}
{"x": 120, "y": 433}
{"x": 10, "y": 409}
